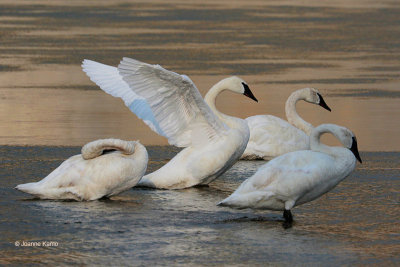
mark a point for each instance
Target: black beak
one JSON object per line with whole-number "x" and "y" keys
{"x": 248, "y": 93}
{"x": 322, "y": 102}
{"x": 354, "y": 149}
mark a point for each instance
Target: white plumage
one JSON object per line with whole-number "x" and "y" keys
{"x": 105, "y": 168}
{"x": 298, "y": 177}
{"x": 271, "y": 136}
{"x": 173, "y": 107}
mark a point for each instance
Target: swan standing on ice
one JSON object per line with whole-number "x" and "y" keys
{"x": 300, "y": 176}
{"x": 271, "y": 136}
{"x": 171, "y": 105}
{"x": 105, "y": 168}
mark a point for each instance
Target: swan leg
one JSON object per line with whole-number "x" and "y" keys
{"x": 287, "y": 215}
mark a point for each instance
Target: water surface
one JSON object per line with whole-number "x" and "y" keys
{"x": 356, "y": 223}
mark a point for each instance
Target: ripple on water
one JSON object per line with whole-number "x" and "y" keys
{"x": 356, "y": 223}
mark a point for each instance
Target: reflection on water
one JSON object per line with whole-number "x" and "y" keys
{"x": 356, "y": 223}
{"x": 347, "y": 49}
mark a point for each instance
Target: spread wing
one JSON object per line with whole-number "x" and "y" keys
{"x": 109, "y": 80}
{"x": 166, "y": 101}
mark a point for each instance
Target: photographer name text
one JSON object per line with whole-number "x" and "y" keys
{"x": 36, "y": 243}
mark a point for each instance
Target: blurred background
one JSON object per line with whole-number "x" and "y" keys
{"x": 349, "y": 50}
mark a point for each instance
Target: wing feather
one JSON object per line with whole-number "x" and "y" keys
{"x": 169, "y": 103}
{"x": 111, "y": 82}
{"x": 175, "y": 101}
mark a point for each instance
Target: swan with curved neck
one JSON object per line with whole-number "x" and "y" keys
{"x": 235, "y": 85}
{"x": 202, "y": 164}
{"x": 271, "y": 136}
{"x": 105, "y": 168}
{"x": 172, "y": 107}
{"x": 299, "y": 177}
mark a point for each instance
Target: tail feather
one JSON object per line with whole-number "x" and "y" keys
{"x": 222, "y": 204}
{"x": 50, "y": 193}
{"x": 225, "y": 202}
{"x": 232, "y": 204}
{"x": 30, "y": 188}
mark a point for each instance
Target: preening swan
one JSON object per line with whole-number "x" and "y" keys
{"x": 171, "y": 105}
{"x": 300, "y": 176}
{"x": 271, "y": 136}
{"x": 106, "y": 167}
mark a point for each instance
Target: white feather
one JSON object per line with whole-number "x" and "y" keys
{"x": 172, "y": 106}
{"x": 271, "y": 136}
{"x": 111, "y": 82}
{"x": 175, "y": 101}
{"x": 167, "y": 102}
{"x": 297, "y": 177}
{"x": 92, "y": 174}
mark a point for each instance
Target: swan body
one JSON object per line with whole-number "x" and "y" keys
{"x": 300, "y": 176}
{"x": 271, "y": 136}
{"x": 171, "y": 105}
{"x": 105, "y": 168}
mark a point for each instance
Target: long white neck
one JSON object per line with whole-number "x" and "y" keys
{"x": 96, "y": 148}
{"x": 345, "y": 161}
{"x": 316, "y": 145}
{"x": 315, "y": 142}
{"x": 210, "y": 99}
{"x": 291, "y": 113}
{"x": 140, "y": 153}
{"x": 139, "y": 148}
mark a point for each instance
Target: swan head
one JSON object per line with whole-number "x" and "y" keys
{"x": 313, "y": 96}
{"x": 237, "y": 85}
{"x": 349, "y": 140}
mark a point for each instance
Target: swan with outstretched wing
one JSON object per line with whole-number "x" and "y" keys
{"x": 171, "y": 105}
